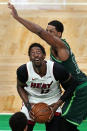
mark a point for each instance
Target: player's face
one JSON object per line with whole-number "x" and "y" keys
{"x": 36, "y": 56}
{"x": 51, "y": 29}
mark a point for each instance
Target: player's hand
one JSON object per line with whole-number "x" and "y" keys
{"x": 54, "y": 107}
{"x": 31, "y": 114}
{"x": 51, "y": 115}
{"x": 13, "y": 10}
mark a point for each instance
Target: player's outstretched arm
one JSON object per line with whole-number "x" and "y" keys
{"x": 28, "y": 24}
{"x": 38, "y": 30}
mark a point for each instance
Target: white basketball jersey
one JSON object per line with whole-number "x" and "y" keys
{"x": 42, "y": 89}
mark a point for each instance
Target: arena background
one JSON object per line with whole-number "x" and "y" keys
{"x": 15, "y": 39}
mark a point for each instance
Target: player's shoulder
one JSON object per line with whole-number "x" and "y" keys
{"x": 22, "y": 67}
{"x": 22, "y": 73}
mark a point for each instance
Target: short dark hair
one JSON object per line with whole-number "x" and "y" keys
{"x": 18, "y": 121}
{"x": 58, "y": 25}
{"x": 36, "y": 45}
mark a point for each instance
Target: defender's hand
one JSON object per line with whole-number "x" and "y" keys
{"x": 52, "y": 113}
{"x": 53, "y": 108}
{"x": 31, "y": 114}
{"x": 13, "y": 10}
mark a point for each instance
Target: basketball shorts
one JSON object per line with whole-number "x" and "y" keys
{"x": 75, "y": 109}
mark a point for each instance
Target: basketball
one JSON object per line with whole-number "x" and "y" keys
{"x": 42, "y": 112}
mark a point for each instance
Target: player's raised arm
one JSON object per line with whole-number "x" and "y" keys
{"x": 28, "y": 24}
{"x": 45, "y": 35}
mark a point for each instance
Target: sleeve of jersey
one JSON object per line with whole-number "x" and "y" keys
{"x": 69, "y": 85}
{"x": 22, "y": 73}
{"x": 60, "y": 73}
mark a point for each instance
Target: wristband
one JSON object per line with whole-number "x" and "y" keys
{"x": 28, "y": 106}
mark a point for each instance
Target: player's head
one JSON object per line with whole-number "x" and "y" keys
{"x": 18, "y": 122}
{"x": 37, "y": 54}
{"x": 56, "y": 28}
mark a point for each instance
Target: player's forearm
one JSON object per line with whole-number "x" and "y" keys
{"x": 38, "y": 30}
{"x": 71, "y": 84}
{"x": 29, "y": 25}
{"x": 69, "y": 87}
{"x": 24, "y": 97}
{"x": 35, "y": 28}
{"x": 56, "y": 105}
{"x": 22, "y": 94}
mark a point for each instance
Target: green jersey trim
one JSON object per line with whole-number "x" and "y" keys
{"x": 81, "y": 86}
{"x": 53, "y": 58}
{"x": 77, "y": 88}
{"x": 69, "y": 105}
{"x": 74, "y": 123}
{"x": 68, "y": 110}
{"x": 65, "y": 43}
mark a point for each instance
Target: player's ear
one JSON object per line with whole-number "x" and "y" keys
{"x": 59, "y": 34}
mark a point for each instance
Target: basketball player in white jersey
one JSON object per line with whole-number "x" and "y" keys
{"x": 38, "y": 81}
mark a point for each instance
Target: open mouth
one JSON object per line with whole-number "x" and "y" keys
{"x": 36, "y": 60}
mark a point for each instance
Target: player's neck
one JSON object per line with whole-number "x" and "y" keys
{"x": 42, "y": 69}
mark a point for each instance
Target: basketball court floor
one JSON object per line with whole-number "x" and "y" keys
{"x": 4, "y": 124}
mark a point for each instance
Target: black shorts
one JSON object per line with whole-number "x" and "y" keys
{"x": 75, "y": 109}
{"x": 54, "y": 124}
